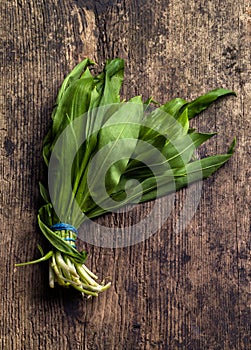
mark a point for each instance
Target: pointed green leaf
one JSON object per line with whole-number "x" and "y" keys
{"x": 74, "y": 75}
{"x": 44, "y": 193}
{"x": 201, "y": 103}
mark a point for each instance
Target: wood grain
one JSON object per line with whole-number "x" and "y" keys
{"x": 179, "y": 289}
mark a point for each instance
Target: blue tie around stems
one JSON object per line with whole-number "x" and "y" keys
{"x": 61, "y": 226}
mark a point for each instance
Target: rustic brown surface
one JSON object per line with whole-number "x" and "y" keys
{"x": 186, "y": 290}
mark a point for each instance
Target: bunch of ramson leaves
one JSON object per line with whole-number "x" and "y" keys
{"x": 154, "y": 146}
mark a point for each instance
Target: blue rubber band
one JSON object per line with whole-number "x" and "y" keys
{"x": 69, "y": 239}
{"x": 60, "y": 226}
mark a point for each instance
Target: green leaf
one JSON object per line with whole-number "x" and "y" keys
{"x": 232, "y": 147}
{"x": 44, "y": 193}
{"x": 202, "y": 168}
{"x": 109, "y": 82}
{"x": 40, "y": 249}
{"x": 74, "y": 75}
{"x": 73, "y": 102}
{"x": 199, "y": 138}
{"x": 201, "y": 103}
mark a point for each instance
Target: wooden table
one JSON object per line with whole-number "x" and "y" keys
{"x": 186, "y": 289}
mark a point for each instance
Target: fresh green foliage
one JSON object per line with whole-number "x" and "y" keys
{"x": 156, "y": 147}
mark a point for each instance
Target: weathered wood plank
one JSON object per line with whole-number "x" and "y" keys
{"x": 187, "y": 289}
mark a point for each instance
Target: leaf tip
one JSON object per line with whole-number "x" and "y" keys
{"x": 232, "y": 146}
